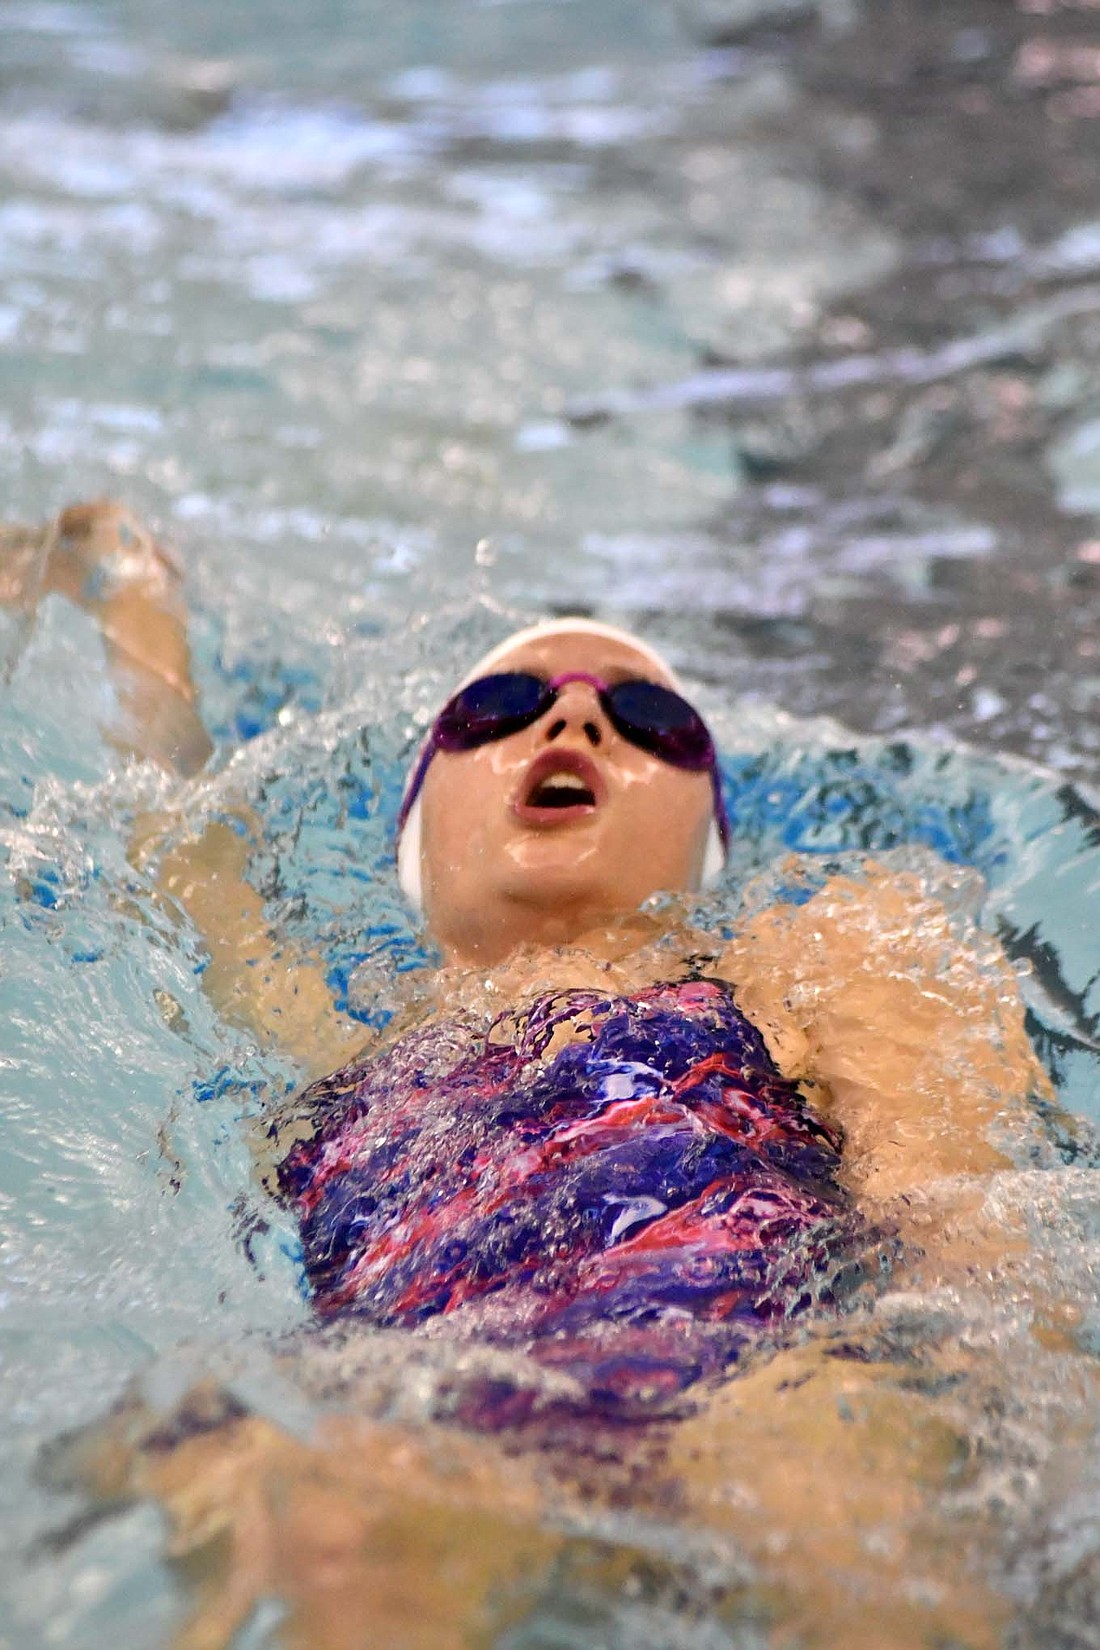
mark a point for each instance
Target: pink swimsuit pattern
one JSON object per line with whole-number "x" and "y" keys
{"x": 625, "y": 1188}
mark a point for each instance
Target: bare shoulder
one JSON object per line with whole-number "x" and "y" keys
{"x": 906, "y": 1019}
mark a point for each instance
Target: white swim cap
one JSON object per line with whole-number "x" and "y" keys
{"x": 409, "y": 838}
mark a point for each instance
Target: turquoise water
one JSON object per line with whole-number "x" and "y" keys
{"x": 137, "y": 1240}
{"x": 318, "y": 290}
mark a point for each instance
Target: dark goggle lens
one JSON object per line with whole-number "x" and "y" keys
{"x": 491, "y": 708}
{"x": 652, "y": 717}
{"x": 661, "y": 722}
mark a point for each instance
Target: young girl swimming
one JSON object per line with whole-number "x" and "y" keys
{"x": 624, "y": 1151}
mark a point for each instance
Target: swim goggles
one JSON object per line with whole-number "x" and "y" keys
{"x": 648, "y": 715}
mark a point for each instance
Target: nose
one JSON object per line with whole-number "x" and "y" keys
{"x": 577, "y": 710}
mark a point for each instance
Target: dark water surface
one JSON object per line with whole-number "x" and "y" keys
{"x": 914, "y": 539}
{"x": 369, "y": 280}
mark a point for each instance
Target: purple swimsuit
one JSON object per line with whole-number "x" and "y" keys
{"x": 625, "y": 1188}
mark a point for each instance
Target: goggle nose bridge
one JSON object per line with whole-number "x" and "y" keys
{"x": 592, "y": 729}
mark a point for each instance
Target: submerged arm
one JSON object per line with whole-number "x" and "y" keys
{"x": 914, "y": 1039}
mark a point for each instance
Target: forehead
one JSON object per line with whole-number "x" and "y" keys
{"x": 604, "y": 656}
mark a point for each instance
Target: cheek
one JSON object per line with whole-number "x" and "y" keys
{"x": 665, "y": 818}
{"x": 464, "y": 802}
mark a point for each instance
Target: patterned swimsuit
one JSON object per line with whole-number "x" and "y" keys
{"x": 625, "y": 1188}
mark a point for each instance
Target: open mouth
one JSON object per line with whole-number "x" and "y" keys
{"x": 561, "y": 790}
{"x": 560, "y": 785}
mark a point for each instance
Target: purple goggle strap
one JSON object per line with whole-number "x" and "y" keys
{"x": 554, "y": 686}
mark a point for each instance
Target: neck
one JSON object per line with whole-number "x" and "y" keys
{"x": 620, "y": 957}
{"x": 620, "y": 952}
{"x": 550, "y": 929}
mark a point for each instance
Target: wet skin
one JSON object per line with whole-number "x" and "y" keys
{"x": 499, "y": 872}
{"x": 824, "y": 1473}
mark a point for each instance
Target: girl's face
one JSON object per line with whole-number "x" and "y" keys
{"x": 538, "y": 836}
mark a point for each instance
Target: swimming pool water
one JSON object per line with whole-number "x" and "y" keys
{"x": 318, "y": 289}
{"x": 137, "y": 1239}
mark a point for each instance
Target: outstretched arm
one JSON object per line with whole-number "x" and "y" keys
{"x": 101, "y": 558}
{"x": 252, "y": 978}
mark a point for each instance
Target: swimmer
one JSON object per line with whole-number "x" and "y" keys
{"x": 632, "y": 1153}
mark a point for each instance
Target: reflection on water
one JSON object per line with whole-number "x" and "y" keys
{"x": 775, "y": 326}
{"x": 326, "y": 284}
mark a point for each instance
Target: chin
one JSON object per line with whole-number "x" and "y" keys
{"x": 563, "y": 890}
{"x": 559, "y": 884}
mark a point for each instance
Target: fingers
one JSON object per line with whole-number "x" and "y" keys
{"x": 24, "y": 557}
{"x": 103, "y": 537}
